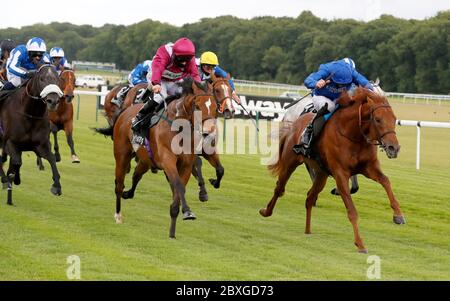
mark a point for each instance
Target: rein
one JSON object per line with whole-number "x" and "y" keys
{"x": 220, "y": 81}
{"x": 377, "y": 141}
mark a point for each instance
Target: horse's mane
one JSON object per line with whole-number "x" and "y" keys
{"x": 358, "y": 96}
{"x": 186, "y": 85}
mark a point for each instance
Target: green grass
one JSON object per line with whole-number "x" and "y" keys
{"x": 229, "y": 240}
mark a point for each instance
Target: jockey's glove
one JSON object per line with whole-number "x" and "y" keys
{"x": 30, "y": 73}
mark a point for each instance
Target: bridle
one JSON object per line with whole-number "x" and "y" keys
{"x": 27, "y": 92}
{"x": 379, "y": 139}
{"x": 220, "y": 102}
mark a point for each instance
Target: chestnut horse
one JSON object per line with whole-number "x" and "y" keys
{"x": 25, "y": 125}
{"x": 347, "y": 146}
{"x": 62, "y": 118}
{"x": 161, "y": 151}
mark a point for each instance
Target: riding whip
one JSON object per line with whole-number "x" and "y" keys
{"x": 250, "y": 116}
{"x": 310, "y": 92}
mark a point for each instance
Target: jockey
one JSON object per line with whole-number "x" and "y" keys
{"x": 6, "y": 46}
{"x": 171, "y": 63}
{"x": 209, "y": 63}
{"x": 142, "y": 73}
{"x": 58, "y": 59}
{"x": 23, "y": 61}
{"x": 328, "y": 83}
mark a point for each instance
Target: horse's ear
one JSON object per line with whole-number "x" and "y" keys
{"x": 377, "y": 82}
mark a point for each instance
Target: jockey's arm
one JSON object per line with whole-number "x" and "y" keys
{"x": 14, "y": 65}
{"x": 361, "y": 80}
{"x": 316, "y": 79}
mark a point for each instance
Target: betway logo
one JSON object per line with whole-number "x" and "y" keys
{"x": 261, "y": 103}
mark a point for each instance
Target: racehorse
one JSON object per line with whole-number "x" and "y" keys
{"x": 62, "y": 118}
{"x": 25, "y": 124}
{"x": 292, "y": 114}
{"x": 111, "y": 109}
{"x": 222, "y": 92}
{"x": 306, "y": 105}
{"x": 347, "y": 146}
{"x": 161, "y": 151}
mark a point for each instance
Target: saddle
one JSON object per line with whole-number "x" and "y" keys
{"x": 4, "y": 94}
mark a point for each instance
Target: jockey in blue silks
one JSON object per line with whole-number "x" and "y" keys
{"x": 328, "y": 83}
{"x": 23, "y": 60}
{"x": 210, "y": 63}
{"x": 59, "y": 60}
{"x": 142, "y": 73}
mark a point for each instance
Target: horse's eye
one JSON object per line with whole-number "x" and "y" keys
{"x": 377, "y": 120}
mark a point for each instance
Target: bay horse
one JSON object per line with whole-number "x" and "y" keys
{"x": 347, "y": 146}
{"x": 222, "y": 92}
{"x": 111, "y": 109}
{"x": 62, "y": 118}
{"x": 25, "y": 125}
{"x": 161, "y": 152}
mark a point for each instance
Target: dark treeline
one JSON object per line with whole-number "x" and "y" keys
{"x": 407, "y": 55}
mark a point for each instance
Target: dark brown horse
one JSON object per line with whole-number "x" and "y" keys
{"x": 62, "y": 118}
{"x": 25, "y": 124}
{"x": 347, "y": 146}
{"x": 164, "y": 150}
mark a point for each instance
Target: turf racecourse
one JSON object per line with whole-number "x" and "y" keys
{"x": 229, "y": 240}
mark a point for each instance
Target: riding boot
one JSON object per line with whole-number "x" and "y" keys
{"x": 121, "y": 96}
{"x": 310, "y": 132}
{"x": 146, "y": 96}
{"x": 137, "y": 122}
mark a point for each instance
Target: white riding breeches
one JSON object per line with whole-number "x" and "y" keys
{"x": 167, "y": 89}
{"x": 320, "y": 101}
{"x": 14, "y": 79}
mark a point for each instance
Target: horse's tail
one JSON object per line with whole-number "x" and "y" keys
{"x": 108, "y": 131}
{"x": 276, "y": 167}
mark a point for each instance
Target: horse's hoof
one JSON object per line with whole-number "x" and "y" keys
{"x": 334, "y": 191}
{"x": 118, "y": 218}
{"x": 41, "y": 167}
{"x": 127, "y": 195}
{"x": 56, "y": 190}
{"x": 203, "y": 197}
{"x": 399, "y": 220}
{"x": 354, "y": 190}
{"x": 263, "y": 212}
{"x": 10, "y": 204}
{"x": 57, "y": 157}
{"x": 188, "y": 215}
{"x": 363, "y": 251}
{"x": 17, "y": 180}
{"x": 214, "y": 183}
{"x": 75, "y": 159}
